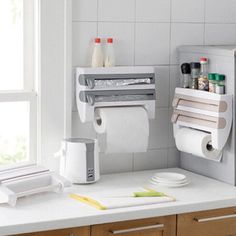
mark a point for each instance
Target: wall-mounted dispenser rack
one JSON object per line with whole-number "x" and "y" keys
{"x": 114, "y": 86}
{"x": 203, "y": 111}
{"x": 28, "y": 180}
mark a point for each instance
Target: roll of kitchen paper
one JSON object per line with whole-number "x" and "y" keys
{"x": 126, "y": 128}
{"x": 197, "y": 143}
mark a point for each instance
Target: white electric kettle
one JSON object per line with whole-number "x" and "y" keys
{"x": 79, "y": 160}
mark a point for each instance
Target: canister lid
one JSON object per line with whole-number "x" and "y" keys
{"x": 195, "y": 65}
{"x": 80, "y": 140}
{"x": 220, "y": 77}
{"x": 212, "y": 76}
{"x": 185, "y": 68}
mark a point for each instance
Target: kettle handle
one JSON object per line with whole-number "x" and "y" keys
{"x": 61, "y": 154}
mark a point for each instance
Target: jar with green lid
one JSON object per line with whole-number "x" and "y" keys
{"x": 220, "y": 84}
{"x": 212, "y": 82}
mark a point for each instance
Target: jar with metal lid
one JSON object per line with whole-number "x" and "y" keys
{"x": 195, "y": 71}
{"x": 220, "y": 84}
{"x": 186, "y": 77}
{"x": 212, "y": 82}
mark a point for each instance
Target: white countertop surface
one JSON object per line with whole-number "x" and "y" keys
{"x": 56, "y": 211}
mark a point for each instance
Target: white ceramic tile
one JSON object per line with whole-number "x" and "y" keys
{"x": 220, "y": 34}
{"x": 115, "y": 163}
{"x": 185, "y": 34}
{"x": 158, "y": 136}
{"x": 162, "y": 86}
{"x": 81, "y": 130}
{"x": 123, "y": 34}
{"x": 116, "y": 10}
{"x": 84, "y": 10}
{"x": 173, "y": 158}
{"x": 152, "y": 159}
{"x": 82, "y": 42}
{"x": 187, "y": 11}
{"x": 153, "y": 10}
{"x": 219, "y": 11}
{"x": 152, "y": 43}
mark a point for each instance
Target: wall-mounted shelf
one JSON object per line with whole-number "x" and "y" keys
{"x": 204, "y": 111}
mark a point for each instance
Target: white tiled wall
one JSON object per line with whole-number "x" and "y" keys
{"x": 147, "y": 32}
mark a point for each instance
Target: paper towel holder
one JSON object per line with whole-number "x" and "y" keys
{"x": 114, "y": 87}
{"x": 203, "y": 111}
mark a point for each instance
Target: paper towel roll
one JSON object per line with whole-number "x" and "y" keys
{"x": 126, "y": 128}
{"x": 197, "y": 143}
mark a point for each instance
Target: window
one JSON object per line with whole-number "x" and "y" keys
{"x": 18, "y": 98}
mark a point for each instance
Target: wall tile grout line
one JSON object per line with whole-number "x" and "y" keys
{"x": 97, "y": 15}
{"x": 154, "y": 22}
{"x": 204, "y": 30}
{"x": 134, "y": 62}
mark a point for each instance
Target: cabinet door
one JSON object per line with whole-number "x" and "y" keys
{"x": 81, "y": 231}
{"x": 161, "y": 226}
{"x": 220, "y": 222}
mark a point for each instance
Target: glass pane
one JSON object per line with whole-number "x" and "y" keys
{"x": 14, "y": 132}
{"x": 11, "y": 44}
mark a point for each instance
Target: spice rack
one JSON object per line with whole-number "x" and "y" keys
{"x": 203, "y": 111}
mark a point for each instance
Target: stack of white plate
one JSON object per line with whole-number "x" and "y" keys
{"x": 170, "y": 179}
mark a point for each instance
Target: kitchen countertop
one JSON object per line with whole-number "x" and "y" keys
{"x": 56, "y": 211}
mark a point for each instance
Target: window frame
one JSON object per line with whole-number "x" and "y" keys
{"x": 29, "y": 92}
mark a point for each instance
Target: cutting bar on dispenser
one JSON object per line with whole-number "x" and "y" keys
{"x": 199, "y": 119}
{"x": 199, "y": 103}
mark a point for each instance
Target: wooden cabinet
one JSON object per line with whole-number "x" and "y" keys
{"x": 81, "y": 231}
{"x": 161, "y": 226}
{"x": 220, "y": 222}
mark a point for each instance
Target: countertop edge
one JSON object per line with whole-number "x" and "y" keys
{"x": 116, "y": 217}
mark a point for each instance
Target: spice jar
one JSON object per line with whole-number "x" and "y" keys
{"x": 203, "y": 82}
{"x": 186, "y": 77}
{"x": 220, "y": 84}
{"x": 195, "y": 71}
{"x": 212, "y": 82}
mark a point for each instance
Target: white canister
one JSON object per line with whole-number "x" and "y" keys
{"x": 79, "y": 161}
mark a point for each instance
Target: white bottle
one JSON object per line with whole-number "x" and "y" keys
{"x": 97, "y": 57}
{"x": 110, "y": 55}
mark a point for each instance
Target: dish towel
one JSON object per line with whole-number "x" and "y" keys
{"x": 123, "y": 198}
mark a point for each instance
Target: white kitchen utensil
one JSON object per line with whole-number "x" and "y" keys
{"x": 169, "y": 179}
{"x": 171, "y": 185}
{"x": 27, "y": 181}
{"x": 79, "y": 160}
{"x": 170, "y": 176}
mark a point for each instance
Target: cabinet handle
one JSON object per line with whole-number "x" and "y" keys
{"x": 123, "y": 231}
{"x": 215, "y": 218}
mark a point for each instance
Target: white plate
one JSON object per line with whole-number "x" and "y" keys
{"x": 169, "y": 185}
{"x": 168, "y": 181}
{"x": 170, "y": 177}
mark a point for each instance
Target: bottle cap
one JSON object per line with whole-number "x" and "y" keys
{"x": 195, "y": 65}
{"x": 220, "y": 77}
{"x": 203, "y": 59}
{"x": 109, "y": 40}
{"x": 185, "y": 68}
{"x": 97, "y": 40}
{"x": 212, "y": 76}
